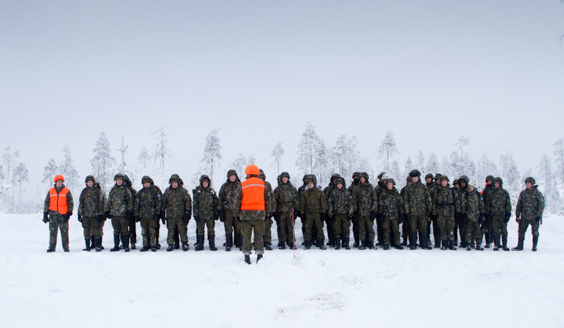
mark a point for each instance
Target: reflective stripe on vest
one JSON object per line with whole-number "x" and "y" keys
{"x": 253, "y": 194}
{"x": 58, "y": 202}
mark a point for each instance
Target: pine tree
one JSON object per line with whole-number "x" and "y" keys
{"x": 547, "y": 185}
{"x": 68, "y": 170}
{"x": 144, "y": 159}
{"x": 388, "y": 149}
{"x": 395, "y": 171}
{"x": 21, "y": 174}
{"x": 212, "y": 153}
{"x": 162, "y": 153}
{"x": 276, "y": 154}
{"x": 50, "y": 171}
{"x": 407, "y": 167}
{"x": 251, "y": 160}
{"x": 103, "y": 163}
{"x": 432, "y": 164}
{"x": 510, "y": 174}
{"x": 7, "y": 158}
{"x": 1, "y": 174}
{"x": 307, "y": 149}
{"x": 420, "y": 161}
{"x": 239, "y": 164}
{"x": 559, "y": 153}
{"x": 321, "y": 161}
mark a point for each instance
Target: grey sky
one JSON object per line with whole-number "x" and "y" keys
{"x": 429, "y": 71}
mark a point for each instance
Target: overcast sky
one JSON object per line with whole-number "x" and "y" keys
{"x": 429, "y": 71}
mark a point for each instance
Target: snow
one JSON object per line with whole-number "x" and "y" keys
{"x": 316, "y": 289}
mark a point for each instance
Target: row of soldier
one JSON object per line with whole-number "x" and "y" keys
{"x": 448, "y": 211}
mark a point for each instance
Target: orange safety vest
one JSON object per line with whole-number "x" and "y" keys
{"x": 58, "y": 202}
{"x": 253, "y": 194}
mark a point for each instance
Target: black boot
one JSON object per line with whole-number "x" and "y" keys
{"x": 211, "y": 240}
{"x": 170, "y": 248}
{"x": 268, "y": 246}
{"x": 185, "y": 247}
{"x": 154, "y": 249}
{"x": 144, "y": 249}
{"x": 240, "y": 241}
{"x": 321, "y": 244}
{"x": 496, "y": 242}
{"x": 126, "y": 242}
{"x": 386, "y": 247}
{"x": 87, "y": 242}
{"x": 479, "y": 246}
{"x": 451, "y": 245}
{"x": 259, "y": 256}
{"x": 488, "y": 240}
{"x": 307, "y": 244}
{"x": 101, "y": 246}
{"x": 248, "y": 259}
{"x": 437, "y": 243}
{"x": 50, "y": 250}
{"x": 445, "y": 245}
{"x": 199, "y": 242}
{"x": 519, "y": 246}
{"x": 356, "y": 236}
{"x": 535, "y": 242}
{"x": 92, "y": 242}
{"x": 346, "y": 243}
{"x": 98, "y": 242}
{"x": 412, "y": 241}
{"x": 423, "y": 242}
{"x": 337, "y": 242}
{"x": 504, "y": 243}
{"x": 228, "y": 242}
{"x": 362, "y": 245}
{"x": 116, "y": 244}
{"x": 468, "y": 246}
{"x": 291, "y": 245}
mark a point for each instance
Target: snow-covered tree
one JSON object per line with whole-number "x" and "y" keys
{"x": 321, "y": 163}
{"x": 407, "y": 167}
{"x": 103, "y": 163}
{"x": 462, "y": 141}
{"x": 276, "y": 154}
{"x": 344, "y": 156}
{"x": 388, "y": 149}
{"x": 162, "y": 153}
{"x": 239, "y": 164}
{"x": 50, "y": 171}
{"x": 432, "y": 164}
{"x": 7, "y": 158}
{"x": 21, "y": 174}
{"x": 144, "y": 160}
{"x": 395, "y": 172}
{"x": 420, "y": 161}
{"x": 251, "y": 160}
{"x": 547, "y": 185}
{"x": 68, "y": 170}
{"x": 559, "y": 153}
{"x": 485, "y": 167}
{"x": 212, "y": 153}
{"x": 307, "y": 149}
{"x": 511, "y": 176}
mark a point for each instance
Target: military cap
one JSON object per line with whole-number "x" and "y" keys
{"x": 531, "y": 180}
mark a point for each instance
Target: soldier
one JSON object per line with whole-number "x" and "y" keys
{"x": 206, "y": 212}
{"x": 312, "y": 205}
{"x": 132, "y": 223}
{"x": 341, "y": 211}
{"x": 475, "y": 209}
{"x": 57, "y": 211}
{"x": 487, "y": 226}
{"x": 147, "y": 209}
{"x": 436, "y": 230}
{"x": 356, "y": 233}
{"x": 101, "y": 219}
{"x": 91, "y": 213}
{"x": 158, "y": 227}
{"x": 325, "y": 217}
{"x": 498, "y": 210}
{"x": 366, "y": 206}
{"x": 458, "y": 218}
{"x": 286, "y": 198}
{"x": 418, "y": 207}
{"x": 530, "y": 207}
{"x": 301, "y": 189}
{"x": 390, "y": 208}
{"x": 120, "y": 209}
{"x": 380, "y": 187}
{"x": 443, "y": 213}
{"x": 455, "y": 184}
{"x": 405, "y": 229}
{"x": 430, "y": 184}
{"x": 254, "y": 201}
{"x": 270, "y": 210}
{"x": 176, "y": 210}
{"x": 228, "y": 195}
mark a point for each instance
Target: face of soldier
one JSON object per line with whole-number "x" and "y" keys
{"x": 89, "y": 183}
{"x": 444, "y": 183}
{"x": 390, "y": 186}
{"x": 205, "y": 183}
{"x": 529, "y": 185}
{"x": 456, "y": 186}
{"x": 119, "y": 182}
{"x": 362, "y": 179}
{"x": 310, "y": 185}
{"x": 174, "y": 185}
{"x": 59, "y": 183}
{"x": 489, "y": 182}
{"x": 463, "y": 184}
{"x": 497, "y": 185}
{"x": 146, "y": 184}
{"x": 414, "y": 179}
{"x": 232, "y": 178}
{"x": 439, "y": 181}
{"x": 472, "y": 188}
{"x": 339, "y": 186}
{"x": 285, "y": 179}
{"x": 429, "y": 180}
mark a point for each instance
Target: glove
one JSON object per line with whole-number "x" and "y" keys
{"x": 80, "y": 218}
{"x": 538, "y": 218}
{"x": 518, "y": 219}
{"x": 380, "y": 217}
{"x": 137, "y": 218}
{"x": 129, "y": 215}
{"x": 457, "y": 216}
{"x": 163, "y": 219}
{"x": 372, "y": 215}
{"x": 465, "y": 218}
{"x": 108, "y": 215}
{"x": 222, "y": 214}
{"x": 350, "y": 217}
{"x": 156, "y": 217}
{"x": 186, "y": 218}
{"x": 481, "y": 218}
{"x": 197, "y": 218}
{"x": 355, "y": 218}
{"x": 297, "y": 214}
{"x": 66, "y": 217}
{"x": 215, "y": 217}
{"x": 100, "y": 218}
{"x": 46, "y": 217}
{"x": 507, "y": 216}
{"x": 401, "y": 218}
{"x": 434, "y": 217}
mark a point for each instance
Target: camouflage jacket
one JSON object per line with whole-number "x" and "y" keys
{"x": 444, "y": 202}
{"x": 312, "y": 201}
{"x": 176, "y": 202}
{"x": 474, "y": 205}
{"x": 390, "y": 203}
{"x": 530, "y": 204}
{"x": 91, "y": 203}
{"x": 286, "y": 197}
{"x": 270, "y": 206}
{"x": 120, "y": 201}
{"x": 498, "y": 202}
{"x": 486, "y": 191}
{"x": 70, "y": 202}
{"x": 327, "y": 191}
{"x": 417, "y": 200}
{"x": 206, "y": 203}
{"x": 365, "y": 199}
{"x": 228, "y": 195}
{"x": 351, "y": 187}
{"x": 147, "y": 203}
{"x": 340, "y": 201}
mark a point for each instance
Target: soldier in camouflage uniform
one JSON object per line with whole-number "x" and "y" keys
{"x": 458, "y": 218}
{"x": 286, "y": 198}
{"x": 366, "y": 208}
{"x": 381, "y": 186}
{"x": 390, "y": 208}
{"x": 206, "y": 212}
{"x": 312, "y": 205}
{"x": 443, "y": 212}
{"x": 132, "y": 223}
{"x": 487, "y": 225}
{"x": 435, "y": 224}
{"x": 176, "y": 211}
{"x": 301, "y": 189}
{"x": 341, "y": 211}
{"x": 160, "y": 214}
{"x": 325, "y": 217}
{"x": 475, "y": 209}
{"x": 228, "y": 194}
{"x": 270, "y": 210}
{"x": 58, "y": 218}
{"x": 530, "y": 207}
{"x": 91, "y": 213}
{"x": 418, "y": 207}
{"x": 356, "y": 233}
{"x": 405, "y": 229}
{"x": 101, "y": 220}
{"x": 430, "y": 184}
{"x": 498, "y": 210}
{"x": 120, "y": 209}
{"x": 147, "y": 209}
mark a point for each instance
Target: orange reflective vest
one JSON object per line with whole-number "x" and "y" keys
{"x": 58, "y": 202}
{"x": 253, "y": 194}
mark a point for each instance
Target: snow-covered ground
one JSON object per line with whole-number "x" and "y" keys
{"x": 316, "y": 289}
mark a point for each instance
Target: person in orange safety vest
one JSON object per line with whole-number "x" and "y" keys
{"x": 57, "y": 211}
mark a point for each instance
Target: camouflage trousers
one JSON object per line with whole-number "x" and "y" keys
{"x": 524, "y": 224}
{"x": 311, "y": 220}
{"x": 446, "y": 227}
{"x": 487, "y": 226}
{"x": 436, "y": 230}
{"x": 499, "y": 225}
{"x": 252, "y": 221}
{"x": 330, "y": 227}
{"x": 92, "y": 232}
{"x": 473, "y": 232}
{"x": 267, "y": 230}
{"x": 284, "y": 227}
{"x": 57, "y": 223}
{"x": 231, "y": 223}
{"x": 132, "y": 231}
{"x": 418, "y": 221}
{"x": 458, "y": 229}
{"x": 201, "y": 225}
{"x": 91, "y": 227}
{"x": 149, "y": 232}
{"x": 174, "y": 225}
{"x": 341, "y": 225}
{"x": 120, "y": 225}
{"x": 366, "y": 229}
{"x": 390, "y": 229}
{"x": 405, "y": 230}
